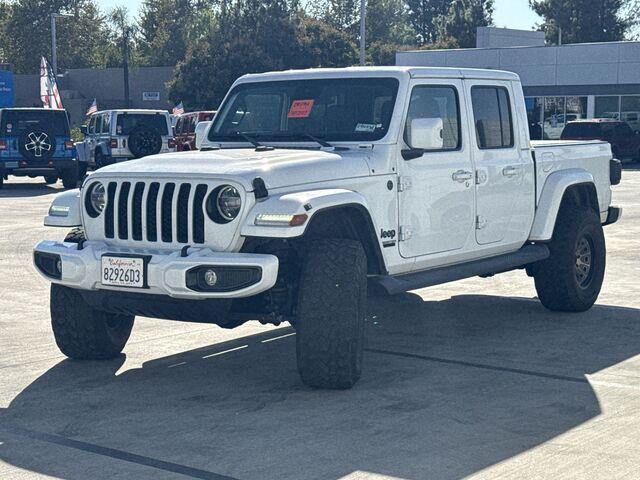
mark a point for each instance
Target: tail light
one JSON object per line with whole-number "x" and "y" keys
{"x": 3, "y": 145}
{"x": 69, "y": 145}
{"x": 171, "y": 143}
{"x": 113, "y": 143}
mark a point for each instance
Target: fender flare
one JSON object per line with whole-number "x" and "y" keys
{"x": 308, "y": 203}
{"x": 65, "y": 210}
{"x": 553, "y": 192}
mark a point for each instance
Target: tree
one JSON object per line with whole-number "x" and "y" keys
{"x": 462, "y": 20}
{"x": 167, "y": 26}
{"x": 322, "y": 45}
{"x": 583, "y": 20}
{"x": 215, "y": 61}
{"x": 387, "y": 31}
{"x": 28, "y": 33}
{"x": 424, "y": 16}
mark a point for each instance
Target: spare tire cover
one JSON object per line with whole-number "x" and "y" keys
{"x": 143, "y": 141}
{"x": 37, "y": 144}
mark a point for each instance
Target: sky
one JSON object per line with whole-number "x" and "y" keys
{"x": 508, "y": 13}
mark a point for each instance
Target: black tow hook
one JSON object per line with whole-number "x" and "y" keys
{"x": 185, "y": 251}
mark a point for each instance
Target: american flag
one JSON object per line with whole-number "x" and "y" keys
{"x": 49, "y": 93}
{"x": 93, "y": 108}
{"x": 178, "y": 109}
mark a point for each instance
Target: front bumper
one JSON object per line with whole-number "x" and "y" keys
{"x": 166, "y": 272}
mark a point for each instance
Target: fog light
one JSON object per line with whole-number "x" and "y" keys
{"x": 211, "y": 277}
{"x": 49, "y": 264}
{"x": 59, "y": 267}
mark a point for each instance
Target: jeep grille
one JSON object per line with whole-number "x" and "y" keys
{"x": 155, "y": 212}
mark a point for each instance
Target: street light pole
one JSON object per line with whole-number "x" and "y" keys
{"x": 363, "y": 16}
{"x": 54, "y": 53}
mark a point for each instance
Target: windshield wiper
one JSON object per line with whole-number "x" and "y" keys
{"x": 319, "y": 141}
{"x": 259, "y": 147}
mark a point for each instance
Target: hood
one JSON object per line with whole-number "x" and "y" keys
{"x": 278, "y": 168}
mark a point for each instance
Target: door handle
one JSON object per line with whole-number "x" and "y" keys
{"x": 462, "y": 176}
{"x": 511, "y": 171}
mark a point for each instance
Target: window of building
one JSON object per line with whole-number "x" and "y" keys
{"x": 548, "y": 116}
{"x": 492, "y": 113}
{"x": 630, "y": 111}
{"x": 607, "y": 107}
{"x": 429, "y": 101}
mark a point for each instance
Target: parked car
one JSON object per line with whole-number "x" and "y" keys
{"x": 117, "y": 135}
{"x": 185, "y": 130}
{"x": 625, "y": 142}
{"x": 316, "y": 187}
{"x": 36, "y": 142}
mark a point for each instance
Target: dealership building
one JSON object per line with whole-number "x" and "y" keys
{"x": 561, "y": 83}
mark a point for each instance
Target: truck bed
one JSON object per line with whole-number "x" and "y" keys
{"x": 590, "y": 155}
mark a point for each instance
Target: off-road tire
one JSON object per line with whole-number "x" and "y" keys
{"x": 144, "y": 141}
{"x": 75, "y": 235}
{"x": 50, "y": 179}
{"x": 331, "y": 310}
{"x": 100, "y": 160}
{"x": 559, "y": 280}
{"x": 84, "y": 333}
{"x": 70, "y": 178}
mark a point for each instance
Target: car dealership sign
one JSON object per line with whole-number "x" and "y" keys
{"x": 6, "y": 88}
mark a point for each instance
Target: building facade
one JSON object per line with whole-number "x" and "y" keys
{"x": 561, "y": 83}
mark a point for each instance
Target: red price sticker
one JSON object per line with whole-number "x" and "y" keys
{"x": 300, "y": 109}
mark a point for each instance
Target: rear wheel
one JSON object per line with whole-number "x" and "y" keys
{"x": 50, "y": 179}
{"x": 571, "y": 278}
{"x": 81, "y": 331}
{"x": 331, "y": 310}
{"x": 100, "y": 160}
{"x": 70, "y": 178}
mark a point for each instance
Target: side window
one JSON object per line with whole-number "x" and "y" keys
{"x": 106, "y": 123}
{"x": 493, "y": 120}
{"x": 179, "y": 125}
{"x": 192, "y": 124}
{"x": 439, "y": 104}
{"x": 99, "y": 123}
{"x": 92, "y": 125}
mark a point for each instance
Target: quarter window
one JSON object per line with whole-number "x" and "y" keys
{"x": 492, "y": 114}
{"x": 436, "y": 102}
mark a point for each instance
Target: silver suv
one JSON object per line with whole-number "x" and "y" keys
{"x": 116, "y": 135}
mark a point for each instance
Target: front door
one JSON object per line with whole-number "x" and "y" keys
{"x": 437, "y": 198}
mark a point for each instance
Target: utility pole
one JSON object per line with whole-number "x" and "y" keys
{"x": 363, "y": 16}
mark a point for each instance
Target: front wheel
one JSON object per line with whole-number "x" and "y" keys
{"x": 84, "y": 333}
{"x": 571, "y": 278}
{"x": 331, "y": 310}
{"x": 50, "y": 179}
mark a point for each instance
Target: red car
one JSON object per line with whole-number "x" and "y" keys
{"x": 185, "y": 129}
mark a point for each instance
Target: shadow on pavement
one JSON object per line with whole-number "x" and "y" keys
{"x": 29, "y": 189}
{"x": 450, "y": 388}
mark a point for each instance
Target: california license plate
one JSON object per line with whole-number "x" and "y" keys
{"x": 123, "y": 271}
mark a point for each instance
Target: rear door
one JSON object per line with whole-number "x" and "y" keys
{"x": 503, "y": 178}
{"x": 437, "y": 201}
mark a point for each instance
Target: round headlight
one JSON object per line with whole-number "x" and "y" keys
{"x": 224, "y": 203}
{"x": 229, "y": 203}
{"x": 96, "y": 199}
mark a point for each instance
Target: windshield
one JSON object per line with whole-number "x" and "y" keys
{"x": 14, "y": 122}
{"x": 350, "y": 110}
{"x": 128, "y": 121}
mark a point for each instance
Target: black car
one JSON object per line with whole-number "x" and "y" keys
{"x": 37, "y": 142}
{"x": 625, "y": 142}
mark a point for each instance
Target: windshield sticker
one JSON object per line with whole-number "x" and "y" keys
{"x": 301, "y": 109}
{"x": 366, "y": 127}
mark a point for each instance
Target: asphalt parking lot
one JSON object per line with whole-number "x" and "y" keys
{"x": 471, "y": 379}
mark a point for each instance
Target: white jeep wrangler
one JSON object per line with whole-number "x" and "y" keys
{"x": 312, "y": 186}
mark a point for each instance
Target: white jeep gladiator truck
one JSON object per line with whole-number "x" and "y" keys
{"x": 316, "y": 188}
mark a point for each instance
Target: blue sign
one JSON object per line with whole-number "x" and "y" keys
{"x": 6, "y": 88}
